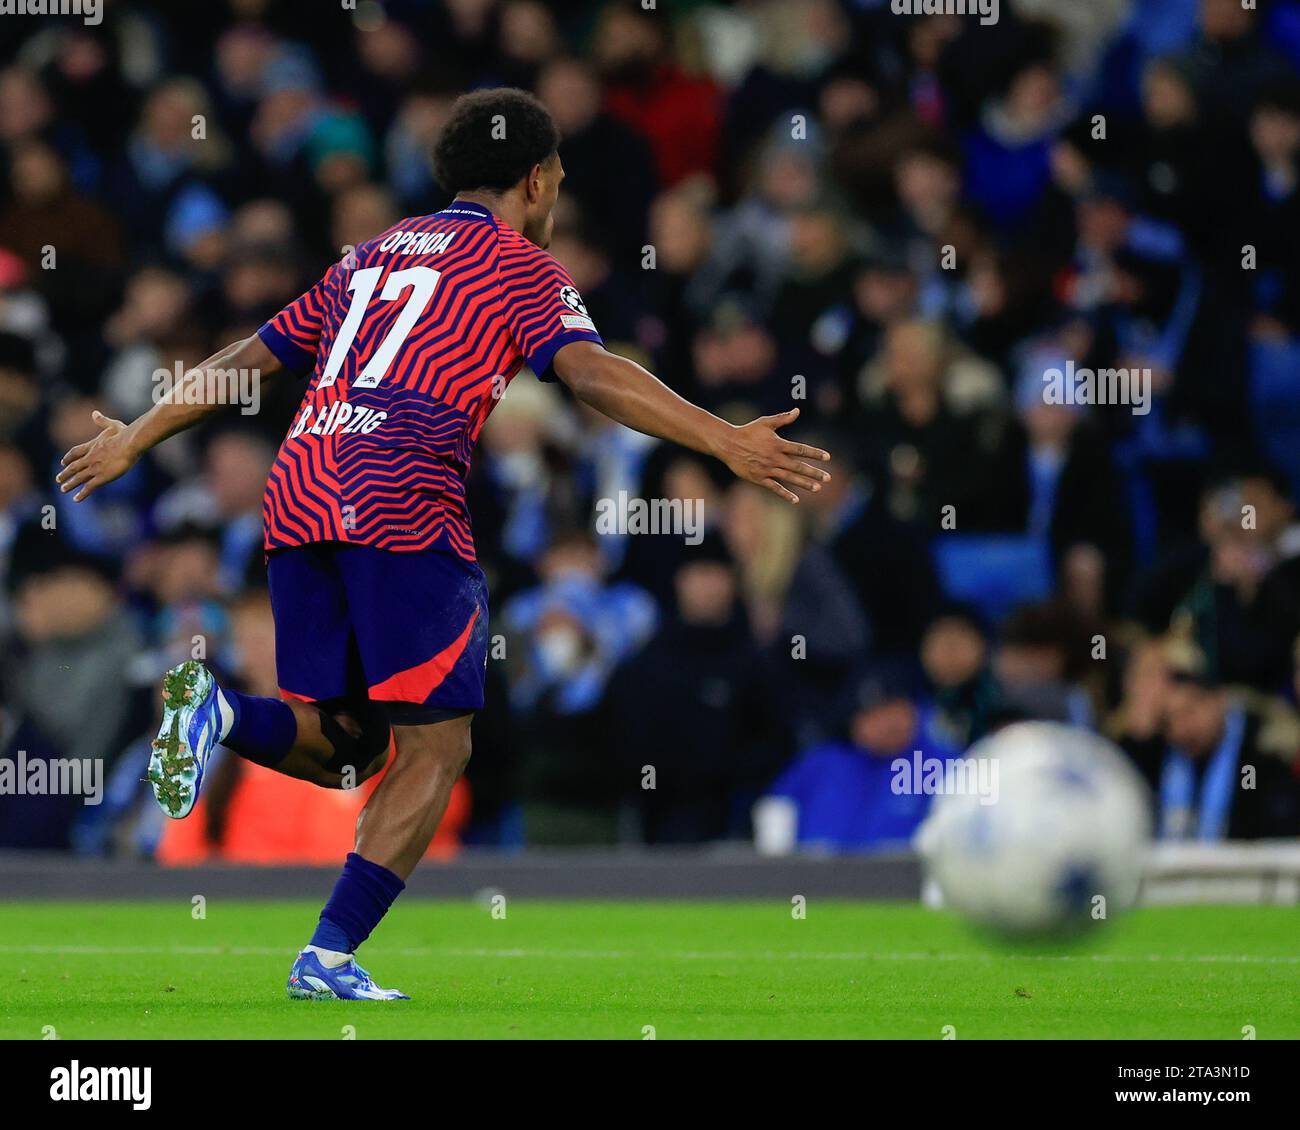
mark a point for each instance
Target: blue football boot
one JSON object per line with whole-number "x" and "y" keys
{"x": 190, "y": 731}
{"x": 311, "y": 980}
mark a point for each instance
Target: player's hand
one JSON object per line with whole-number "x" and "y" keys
{"x": 757, "y": 454}
{"x": 99, "y": 461}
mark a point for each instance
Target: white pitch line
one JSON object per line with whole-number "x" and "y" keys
{"x": 613, "y": 955}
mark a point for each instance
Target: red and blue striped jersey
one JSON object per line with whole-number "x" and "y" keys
{"x": 411, "y": 340}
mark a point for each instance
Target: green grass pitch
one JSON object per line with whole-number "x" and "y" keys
{"x": 677, "y": 970}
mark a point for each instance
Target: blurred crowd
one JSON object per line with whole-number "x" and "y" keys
{"x": 897, "y": 223}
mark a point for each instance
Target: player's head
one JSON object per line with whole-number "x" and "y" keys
{"x": 503, "y": 142}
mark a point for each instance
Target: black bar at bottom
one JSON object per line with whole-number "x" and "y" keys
{"x": 369, "y": 1077}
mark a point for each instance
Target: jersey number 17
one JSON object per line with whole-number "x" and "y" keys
{"x": 420, "y": 280}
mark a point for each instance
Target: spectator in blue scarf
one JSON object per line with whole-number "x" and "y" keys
{"x": 1210, "y": 775}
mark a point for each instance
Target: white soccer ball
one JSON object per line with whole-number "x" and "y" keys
{"x": 1057, "y": 842}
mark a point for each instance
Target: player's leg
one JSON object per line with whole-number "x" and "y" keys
{"x": 403, "y": 813}
{"x": 394, "y": 831}
{"x": 336, "y": 744}
{"x": 426, "y": 663}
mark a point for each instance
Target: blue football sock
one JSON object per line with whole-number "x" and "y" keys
{"x": 361, "y": 898}
{"x": 261, "y": 730}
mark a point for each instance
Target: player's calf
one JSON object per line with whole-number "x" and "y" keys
{"x": 400, "y": 818}
{"x": 335, "y": 744}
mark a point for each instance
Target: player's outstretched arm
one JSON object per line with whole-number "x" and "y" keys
{"x": 624, "y": 391}
{"x": 113, "y": 452}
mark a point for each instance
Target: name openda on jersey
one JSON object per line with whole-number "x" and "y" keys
{"x": 418, "y": 242}
{"x": 340, "y": 417}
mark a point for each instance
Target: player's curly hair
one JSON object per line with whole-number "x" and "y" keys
{"x": 491, "y": 140}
